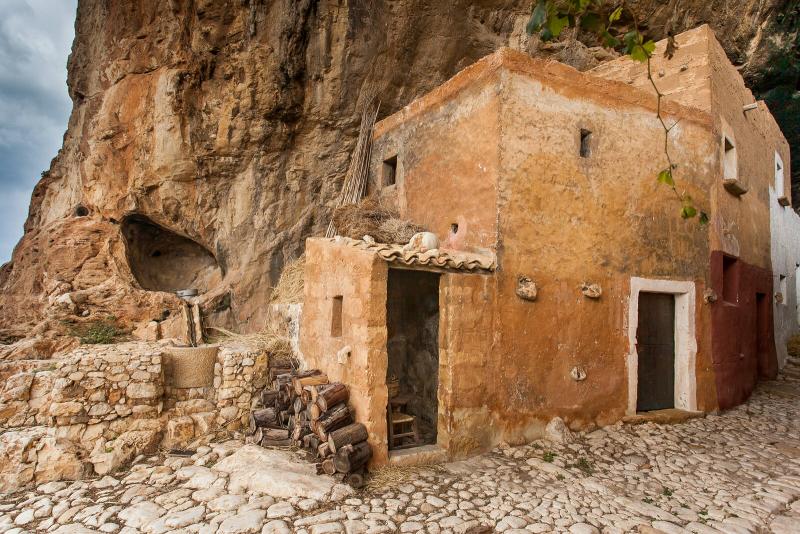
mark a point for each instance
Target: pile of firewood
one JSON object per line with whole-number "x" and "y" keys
{"x": 302, "y": 409}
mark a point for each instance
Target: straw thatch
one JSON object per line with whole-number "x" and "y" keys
{"x": 289, "y": 289}
{"x": 369, "y": 217}
{"x": 275, "y": 343}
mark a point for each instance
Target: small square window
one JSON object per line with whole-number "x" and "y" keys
{"x": 336, "y": 316}
{"x": 586, "y": 137}
{"x": 389, "y": 175}
{"x": 729, "y": 163}
{"x": 454, "y": 228}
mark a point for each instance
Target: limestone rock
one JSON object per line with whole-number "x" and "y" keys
{"x": 184, "y": 136}
{"x": 280, "y": 474}
{"x": 557, "y": 431}
{"x": 107, "y": 456}
{"x": 59, "y": 459}
{"x": 18, "y": 457}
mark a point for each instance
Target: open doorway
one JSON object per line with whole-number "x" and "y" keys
{"x": 412, "y": 377}
{"x": 655, "y": 344}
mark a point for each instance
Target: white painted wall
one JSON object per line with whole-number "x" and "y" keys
{"x": 785, "y": 236}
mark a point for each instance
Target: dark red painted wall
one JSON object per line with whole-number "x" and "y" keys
{"x": 742, "y": 345}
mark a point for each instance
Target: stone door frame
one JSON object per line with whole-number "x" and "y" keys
{"x": 685, "y": 340}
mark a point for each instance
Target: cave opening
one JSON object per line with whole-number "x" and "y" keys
{"x": 162, "y": 260}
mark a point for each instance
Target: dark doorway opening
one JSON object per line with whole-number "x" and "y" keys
{"x": 655, "y": 344}
{"x": 763, "y": 335}
{"x": 412, "y": 376}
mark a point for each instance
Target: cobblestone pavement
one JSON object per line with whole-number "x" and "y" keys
{"x": 735, "y": 472}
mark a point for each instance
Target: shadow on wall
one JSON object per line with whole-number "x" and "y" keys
{"x": 162, "y": 260}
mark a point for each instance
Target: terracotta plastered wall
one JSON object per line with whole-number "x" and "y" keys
{"x": 566, "y": 220}
{"x": 447, "y": 158}
{"x": 743, "y": 343}
{"x": 359, "y": 277}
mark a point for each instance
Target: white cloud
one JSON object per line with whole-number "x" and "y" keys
{"x": 35, "y": 41}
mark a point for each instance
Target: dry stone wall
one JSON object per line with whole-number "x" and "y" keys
{"x": 101, "y": 406}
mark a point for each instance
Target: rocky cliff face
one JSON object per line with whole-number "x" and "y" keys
{"x": 208, "y": 138}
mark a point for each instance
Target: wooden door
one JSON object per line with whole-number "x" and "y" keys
{"x": 655, "y": 343}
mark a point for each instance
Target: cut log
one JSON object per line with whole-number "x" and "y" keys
{"x": 314, "y": 412}
{"x": 298, "y": 405}
{"x": 322, "y": 450}
{"x": 315, "y": 391}
{"x": 268, "y": 397}
{"x": 312, "y": 380}
{"x": 275, "y": 433}
{"x": 306, "y": 394}
{"x": 283, "y": 400}
{"x": 331, "y": 396}
{"x": 355, "y": 480}
{"x": 328, "y": 466}
{"x": 336, "y": 417}
{"x": 313, "y": 443}
{"x": 256, "y": 437}
{"x": 281, "y": 380}
{"x": 284, "y": 418}
{"x": 263, "y": 417}
{"x": 351, "y": 457}
{"x": 276, "y": 371}
{"x": 266, "y": 442}
{"x": 347, "y": 435}
{"x": 300, "y": 431}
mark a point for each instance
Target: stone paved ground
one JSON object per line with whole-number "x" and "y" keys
{"x": 736, "y": 472}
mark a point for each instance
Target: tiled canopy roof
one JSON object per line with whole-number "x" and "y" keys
{"x": 454, "y": 260}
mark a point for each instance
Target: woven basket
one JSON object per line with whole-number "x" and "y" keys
{"x": 190, "y": 367}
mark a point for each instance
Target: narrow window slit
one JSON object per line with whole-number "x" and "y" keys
{"x": 390, "y": 171}
{"x": 586, "y": 136}
{"x": 336, "y": 317}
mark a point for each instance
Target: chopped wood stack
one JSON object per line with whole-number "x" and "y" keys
{"x": 304, "y": 409}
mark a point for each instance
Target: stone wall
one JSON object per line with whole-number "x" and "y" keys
{"x": 101, "y": 406}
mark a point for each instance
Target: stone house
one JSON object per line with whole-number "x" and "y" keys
{"x": 565, "y": 284}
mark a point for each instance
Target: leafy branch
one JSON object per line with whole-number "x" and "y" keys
{"x": 549, "y": 18}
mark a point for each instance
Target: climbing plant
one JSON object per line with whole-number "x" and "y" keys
{"x": 550, "y": 18}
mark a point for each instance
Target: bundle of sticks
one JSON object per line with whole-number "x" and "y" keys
{"x": 303, "y": 409}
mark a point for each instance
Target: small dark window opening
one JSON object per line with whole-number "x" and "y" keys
{"x": 336, "y": 317}
{"x": 586, "y": 136}
{"x": 454, "y": 228}
{"x": 155, "y": 254}
{"x": 390, "y": 171}
{"x": 81, "y": 211}
{"x": 730, "y": 279}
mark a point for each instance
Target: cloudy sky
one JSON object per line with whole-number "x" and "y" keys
{"x": 35, "y": 40}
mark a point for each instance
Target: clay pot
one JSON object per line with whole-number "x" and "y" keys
{"x": 190, "y": 367}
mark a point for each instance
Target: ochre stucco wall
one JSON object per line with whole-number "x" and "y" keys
{"x": 566, "y": 219}
{"x": 359, "y": 277}
{"x": 700, "y": 75}
{"x": 448, "y": 160}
